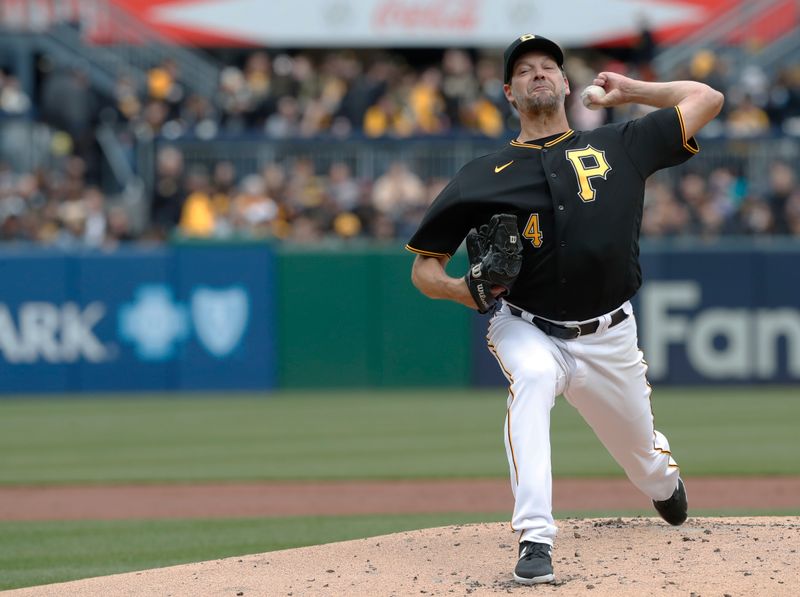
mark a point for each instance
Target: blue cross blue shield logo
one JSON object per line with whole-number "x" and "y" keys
{"x": 220, "y": 317}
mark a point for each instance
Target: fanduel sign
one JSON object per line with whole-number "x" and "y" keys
{"x": 719, "y": 343}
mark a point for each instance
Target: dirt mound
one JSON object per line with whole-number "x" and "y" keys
{"x": 639, "y": 556}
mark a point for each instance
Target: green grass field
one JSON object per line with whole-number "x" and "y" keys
{"x": 346, "y": 435}
{"x": 342, "y": 435}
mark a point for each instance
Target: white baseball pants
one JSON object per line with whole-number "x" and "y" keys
{"x": 603, "y": 376}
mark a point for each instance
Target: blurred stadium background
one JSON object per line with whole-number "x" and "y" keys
{"x": 213, "y": 197}
{"x": 202, "y": 195}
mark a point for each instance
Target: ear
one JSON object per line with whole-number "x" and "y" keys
{"x": 566, "y": 84}
{"x": 507, "y": 92}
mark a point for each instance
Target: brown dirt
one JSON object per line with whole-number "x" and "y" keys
{"x": 599, "y": 557}
{"x": 338, "y": 498}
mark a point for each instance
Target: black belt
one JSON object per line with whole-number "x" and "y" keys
{"x": 570, "y": 332}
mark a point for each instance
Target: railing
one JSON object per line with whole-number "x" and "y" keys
{"x": 437, "y": 157}
{"x": 781, "y": 51}
{"x": 367, "y": 158}
{"x": 712, "y": 35}
{"x": 146, "y": 48}
{"x": 26, "y": 145}
{"x": 130, "y": 47}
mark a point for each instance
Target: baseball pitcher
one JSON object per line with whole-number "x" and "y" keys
{"x": 552, "y": 224}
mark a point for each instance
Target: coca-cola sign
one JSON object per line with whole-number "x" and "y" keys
{"x": 400, "y": 23}
{"x": 426, "y": 15}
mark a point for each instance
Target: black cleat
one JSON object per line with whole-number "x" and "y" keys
{"x": 535, "y": 564}
{"x": 675, "y": 509}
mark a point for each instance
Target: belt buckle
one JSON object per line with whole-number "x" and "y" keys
{"x": 577, "y": 328}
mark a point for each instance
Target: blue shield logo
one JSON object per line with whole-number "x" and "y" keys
{"x": 220, "y": 317}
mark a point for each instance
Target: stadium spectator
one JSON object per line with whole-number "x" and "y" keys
{"x": 69, "y": 104}
{"x": 364, "y": 90}
{"x": 258, "y": 87}
{"x": 427, "y": 104}
{"x": 164, "y": 86}
{"x": 305, "y": 190}
{"x": 285, "y": 122}
{"x": 783, "y": 106}
{"x": 342, "y": 187}
{"x": 308, "y": 94}
{"x": 792, "y": 214}
{"x": 644, "y": 51}
{"x": 398, "y": 191}
{"x": 746, "y": 119}
{"x": 253, "y": 211}
{"x": 754, "y": 218}
{"x": 782, "y": 184}
{"x": 459, "y": 83}
{"x": 197, "y": 214}
{"x": 13, "y": 100}
{"x": 664, "y": 216}
{"x": 387, "y": 118}
{"x": 95, "y": 226}
{"x": 223, "y": 190}
{"x": 119, "y": 229}
{"x": 168, "y": 191}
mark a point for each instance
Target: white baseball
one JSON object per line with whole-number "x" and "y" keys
{"x": 597, "y": 92}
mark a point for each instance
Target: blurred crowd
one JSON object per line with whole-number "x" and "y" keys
{"x": 296, "y": 202}
{"x": 712, "y": 204}
{"x": 355, "y": 95}
{"x": 378, "y": 95}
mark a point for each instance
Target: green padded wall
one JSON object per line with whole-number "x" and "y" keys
{"x": 350, "y": 317}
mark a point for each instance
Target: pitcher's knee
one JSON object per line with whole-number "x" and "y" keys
{"x": 540, "y": 371}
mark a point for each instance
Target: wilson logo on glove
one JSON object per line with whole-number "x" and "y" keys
{"x": 495, "y": 257}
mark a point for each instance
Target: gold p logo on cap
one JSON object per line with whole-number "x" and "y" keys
{"x": 527, "y": 36}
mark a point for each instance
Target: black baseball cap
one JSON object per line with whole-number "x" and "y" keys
{"x": 530, "y": 43}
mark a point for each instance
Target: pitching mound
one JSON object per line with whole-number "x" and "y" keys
{"x": 641, "y": 556}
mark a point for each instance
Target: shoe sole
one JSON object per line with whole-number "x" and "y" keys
{"x": 536, "y": 580}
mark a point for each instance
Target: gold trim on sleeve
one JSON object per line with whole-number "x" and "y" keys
{"x": 427, "y": 253}
{"x": 691, "y": 144}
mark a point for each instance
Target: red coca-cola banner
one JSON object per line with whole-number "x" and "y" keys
{"x": 375, "y": 23}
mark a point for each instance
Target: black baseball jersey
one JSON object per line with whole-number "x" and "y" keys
{"x": 578, "y": 199}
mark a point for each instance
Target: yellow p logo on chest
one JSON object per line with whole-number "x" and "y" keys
{"x": 588, "y": 163}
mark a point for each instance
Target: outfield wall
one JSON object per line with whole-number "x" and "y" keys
{"x": 250, "y": 316}
{"x": 173, "y": 318}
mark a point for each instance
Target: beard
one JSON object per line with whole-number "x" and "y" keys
{"x": 540, "y": 103}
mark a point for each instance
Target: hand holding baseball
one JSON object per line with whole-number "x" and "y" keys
{"x": 591, "y": 94}
{"x": 609, "y": 89}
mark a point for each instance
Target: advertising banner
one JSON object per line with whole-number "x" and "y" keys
{"x": 707, "y": 316}
{"x": 730, "y": 316}
{"x": 179, "y": 318}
